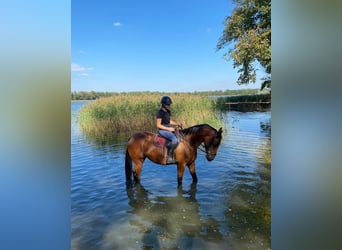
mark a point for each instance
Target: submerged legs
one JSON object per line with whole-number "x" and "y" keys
{"x": 137, "y": 170}
{"x": 180, "y": 173}
{"x": 192, "y": 170}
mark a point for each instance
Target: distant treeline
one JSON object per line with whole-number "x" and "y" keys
{"x": 93, "y": 95}
{"x": 245, "y": 103}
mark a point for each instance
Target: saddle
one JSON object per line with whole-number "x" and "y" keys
{"x": 159, "y": 141}
{"x": 168, "y": 149}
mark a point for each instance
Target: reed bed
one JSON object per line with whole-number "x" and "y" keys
{"x": 125, "y": 113}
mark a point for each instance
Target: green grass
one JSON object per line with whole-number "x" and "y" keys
{"x": 125, "y": 113}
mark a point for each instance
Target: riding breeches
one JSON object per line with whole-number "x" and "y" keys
{"x": 168, "y": 135}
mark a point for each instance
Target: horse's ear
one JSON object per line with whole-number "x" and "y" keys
{"x": 220, "y": 131}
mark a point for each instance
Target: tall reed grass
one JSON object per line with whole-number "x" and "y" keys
{"x": 125, "y": 113}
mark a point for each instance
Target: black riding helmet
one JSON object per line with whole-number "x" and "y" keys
{"x": 166, "y": 100}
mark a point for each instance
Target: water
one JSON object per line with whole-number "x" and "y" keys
{"x": 229, "y": 208}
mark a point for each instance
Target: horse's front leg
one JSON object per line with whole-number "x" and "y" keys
{"x": 180, "y": 173}
{"x": 192, "y": 170}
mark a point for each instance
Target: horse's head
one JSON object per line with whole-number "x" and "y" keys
{"x": 212, "y": 143}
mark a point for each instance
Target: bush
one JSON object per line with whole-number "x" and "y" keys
{"x": 125, "y": 113}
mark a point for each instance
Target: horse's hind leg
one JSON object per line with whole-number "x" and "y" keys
{"x": 137, "y": 169}
{"x": 192, "y": 170}
{"x": 180, "y": 173}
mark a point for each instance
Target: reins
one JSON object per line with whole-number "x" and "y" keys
{"x": 202, "y": 148}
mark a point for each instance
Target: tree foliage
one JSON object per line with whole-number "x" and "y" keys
{"x": 248, "y": 28}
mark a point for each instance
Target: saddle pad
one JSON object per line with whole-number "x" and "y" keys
{"x": 159, "y": 141}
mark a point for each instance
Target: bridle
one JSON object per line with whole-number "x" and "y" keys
{"x": 201, "y": 147}
{"x": 204, "y": 149}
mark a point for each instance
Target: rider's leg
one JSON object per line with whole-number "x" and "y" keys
{"x": 171, "y": 144}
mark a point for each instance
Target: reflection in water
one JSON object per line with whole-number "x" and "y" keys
{"x": 266, "y": 127}
{"x": 171, "y": 222}
{"x": 109, "y": 141}
{"x": 248, "y": 209}
{"x": 249, "y": 214}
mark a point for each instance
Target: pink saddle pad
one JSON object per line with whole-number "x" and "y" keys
{"x": 159, "y": 141}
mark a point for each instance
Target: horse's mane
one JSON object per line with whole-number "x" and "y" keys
{"x": 196, "y": 129}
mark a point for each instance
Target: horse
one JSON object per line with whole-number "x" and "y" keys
{"x": 146, "y": 144}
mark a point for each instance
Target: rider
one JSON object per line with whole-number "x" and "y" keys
{"x": 164, "y": 123}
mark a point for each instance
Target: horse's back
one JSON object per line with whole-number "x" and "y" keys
{"x": 141, "y": 135}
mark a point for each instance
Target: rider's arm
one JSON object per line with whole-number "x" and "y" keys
{"x": 160, "y": 126}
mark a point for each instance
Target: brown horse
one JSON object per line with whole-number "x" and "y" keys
{"x": 146, "y": 144}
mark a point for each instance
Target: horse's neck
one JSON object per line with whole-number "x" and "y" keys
{"x": 194, "y": 140}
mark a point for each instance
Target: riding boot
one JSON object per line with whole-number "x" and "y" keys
{"x": 170, "y": 153}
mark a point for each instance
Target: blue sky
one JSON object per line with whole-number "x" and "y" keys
{"x": 152, "y": 45}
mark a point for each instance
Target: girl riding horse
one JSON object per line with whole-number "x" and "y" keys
{"x": 142, "y": 144}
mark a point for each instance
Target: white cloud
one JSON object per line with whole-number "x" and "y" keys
{"x": 76, "y": 67}
{"x": 84, "y": 75}
{"x": 117, "y": 24}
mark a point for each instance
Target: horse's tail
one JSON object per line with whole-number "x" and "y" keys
{"x": 128, "y": 166}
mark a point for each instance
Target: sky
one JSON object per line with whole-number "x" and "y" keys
{"x": 151, "y": 45}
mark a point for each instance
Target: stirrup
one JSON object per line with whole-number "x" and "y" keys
{"x": 170, "y": 158}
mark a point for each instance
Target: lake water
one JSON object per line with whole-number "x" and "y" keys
{"x": 229, "y": 207}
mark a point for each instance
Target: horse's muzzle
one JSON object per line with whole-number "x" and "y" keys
{"x": 210, "y": 157}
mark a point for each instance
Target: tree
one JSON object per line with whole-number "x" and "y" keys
{"x": 249, "y": 30}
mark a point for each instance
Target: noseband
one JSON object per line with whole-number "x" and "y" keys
{"x": 205, "y": 150}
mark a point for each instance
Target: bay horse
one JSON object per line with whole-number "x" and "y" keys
{"x": 146, "y": 144}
